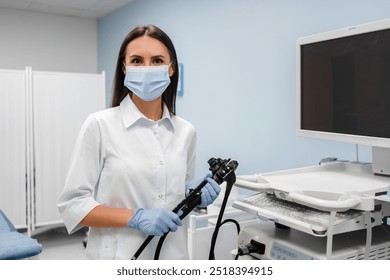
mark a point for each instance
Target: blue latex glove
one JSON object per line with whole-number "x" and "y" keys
{"x": 155, "y": 222}
{"x": 209, "y": 192}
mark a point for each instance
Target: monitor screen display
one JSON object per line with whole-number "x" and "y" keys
{"x": 344, "y": 85}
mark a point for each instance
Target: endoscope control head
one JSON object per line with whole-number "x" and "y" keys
{"x": 221, "y": 169}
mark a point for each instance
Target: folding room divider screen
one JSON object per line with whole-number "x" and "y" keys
{"x": 41, "y": 114}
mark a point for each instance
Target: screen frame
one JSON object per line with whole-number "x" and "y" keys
{"x": 315, "y": 38}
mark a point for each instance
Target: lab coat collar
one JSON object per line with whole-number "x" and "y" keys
{"x": 131, "y": 114}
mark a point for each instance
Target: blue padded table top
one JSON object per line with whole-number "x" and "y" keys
{"x": 13, "y": 244}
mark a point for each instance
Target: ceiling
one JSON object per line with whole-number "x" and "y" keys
{"x": 88, "y": 9}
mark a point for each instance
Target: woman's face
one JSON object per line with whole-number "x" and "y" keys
{"x": 147, "y": 51}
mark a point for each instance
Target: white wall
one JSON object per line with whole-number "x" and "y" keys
{"x": 47, "y": 42}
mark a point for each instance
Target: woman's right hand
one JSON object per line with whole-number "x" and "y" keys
{"x": 154, "y": 222}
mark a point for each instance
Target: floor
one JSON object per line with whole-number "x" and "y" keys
{"x": 57, "y": 244}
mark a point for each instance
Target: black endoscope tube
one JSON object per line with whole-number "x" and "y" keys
{"x": 219, "y": 175}
{"x": 186, "y": 211}
{"x": 222, "y": 170}
{"x": 229, "y": 186}
{"x": 192, "y": 195}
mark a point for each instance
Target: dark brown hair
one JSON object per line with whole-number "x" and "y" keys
{"x": 120, "y": 91}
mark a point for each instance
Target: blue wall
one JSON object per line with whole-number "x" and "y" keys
{"x": 240, "y": 71}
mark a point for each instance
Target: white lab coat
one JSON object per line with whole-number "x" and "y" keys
{"x": 122, "y": 159}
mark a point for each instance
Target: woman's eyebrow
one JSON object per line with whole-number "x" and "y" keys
{"x": 158, "y": 56}
{"x": 135, "y": 55}
{"x": 153, "y": 57}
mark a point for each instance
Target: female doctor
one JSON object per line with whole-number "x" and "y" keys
{"x": 131, "y": 162}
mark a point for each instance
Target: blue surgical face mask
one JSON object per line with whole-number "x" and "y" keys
{"x": 147, "y": 82}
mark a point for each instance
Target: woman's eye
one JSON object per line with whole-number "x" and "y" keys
{"x": 136, "y": 61}
{"x": 158, "y": 61}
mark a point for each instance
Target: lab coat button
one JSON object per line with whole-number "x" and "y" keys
{"x": 161, "y": 162}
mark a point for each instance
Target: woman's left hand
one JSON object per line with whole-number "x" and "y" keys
{"x": 209, "y": 192}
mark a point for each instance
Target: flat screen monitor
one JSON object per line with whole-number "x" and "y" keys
{"x": 343, "y": 85}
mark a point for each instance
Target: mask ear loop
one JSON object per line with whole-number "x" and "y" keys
{"x": 169, "y": 68}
